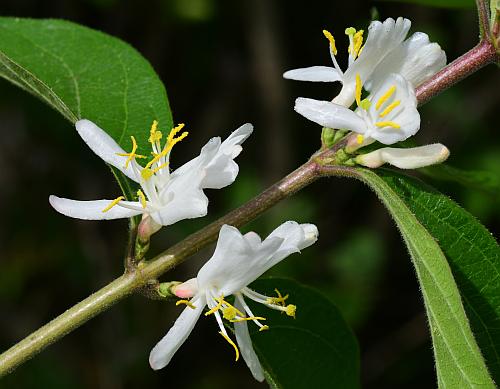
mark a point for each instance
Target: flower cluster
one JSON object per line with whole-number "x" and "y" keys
{"x": 389, "y": 68}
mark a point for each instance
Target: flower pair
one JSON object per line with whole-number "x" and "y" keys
{"x": 389, "y": 68}
{"x": 168, "y": 196}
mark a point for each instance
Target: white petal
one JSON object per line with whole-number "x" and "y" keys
{"x": 92, "y": 210}
{"x": 232, "y": 257}
{"x": 239, "y": 260}
{"x": 246, "y": 348}
{"x": 295, "y": 238}
{"x": 253, "y": 239}
{"x": 416, "y": 59}
{"x": 185, "y": 202}
{"x": 162, "y": 353}
{"x": 411, "y": 158}
{"x": 405, "y": 115}
{"x": 327, "y": 114}
{"x": 187, "y": 289}
{"x": 314, "y": 73}
{"x": 221, "y": 171}
{"x": 105, "y": 147}
{"x": 382, "y": 39}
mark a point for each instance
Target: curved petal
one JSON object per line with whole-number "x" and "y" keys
{"x": 232, "y": 256}
{"x": 105, "y": 147}
{"x": 382, "y": 39}
{"x": 330, "y": 115}
{"x": 245, "y": 344}
{"x": 93, "y": 210}
{"x": 162, "y": 353}
{"x": 221, "y": 171}
{"x": 405, "y": 115}
{"x": 314, "y": 73}
{"x": 417, "y": 60}
{"x": 411, "y": 158}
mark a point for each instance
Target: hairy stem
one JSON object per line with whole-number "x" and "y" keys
{"x": 135, "y": 279}
{"x": 140, "y": 275}
{"x": 481, "y": 55}
{"x": 484, "y": 18}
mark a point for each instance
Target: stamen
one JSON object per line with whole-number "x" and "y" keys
{"x": 146, "y": 173}
{"x": 365, "y": 104}
{"x": 385, "y": 97}
{"x": 360, "y": 139}
{"x": 187, "y": 302}
{"x": 247, "y": 319}
{"x": 389, "y": 108}
{"x": 359, "y": 86}
{"x": 280, "y": 300}
{"x": 387, "y": 124}
{"x": 358, "y": 41}
{"x": 157, "y": 169}
{"x": 216, "y": 308}
{"x": 142, "y": 198}
{"x": 331, "y": 39}
{"x": 171, "y": 142}
{"x": 232, "y": 344}
{"x": 290, "y": 310}
{"x": 154, "y": 134}
{"x": 113, "y": 203}
{"x": 263, "y": 328}
{"x": 132, "y": 154}
{"x": 229, "y": 313}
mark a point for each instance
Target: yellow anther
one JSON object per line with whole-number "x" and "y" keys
{"x": 389, "y": 108}
{"x": 365, "y": 104}
{"x": 263, "y": 328}
{"x": 187, "y": 302}
{"x": 328, "y": 35}
{"x": 360, "y": 139}
{"x": 142, "y": 198}
{"x": 154, "y": 134}
{"x": 155, "y": 170}
{"x": 290, "y": 310}
{"x": 113, "y": 203}
{"x": 385, "y": 96}
{"x": 280, "y": 300}
{"x": 229, "y": 313}
{"x": 132, "y": 154}
{"x": 232, "y": 344}
{"x": 359, "y": 86}
{"x": 146, "y": 173}
{"x": 357, "y": 42}
{"x": 247, "y": 319}
{"x": 216, "y": 308}
{"x": 387, "y": 124}
{"x": 171, "y": 142}
{"x": 350, "y": 31}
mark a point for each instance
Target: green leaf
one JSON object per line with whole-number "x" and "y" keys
{"x": 473, "y": 255}
{"x": 486, "y": 182}
{"x": 438, "y": 3}
{"x": 459, "y": 362}
{"x": 315, "y": 350}
{"x": 83, "y": 73}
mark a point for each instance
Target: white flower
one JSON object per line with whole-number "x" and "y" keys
{"x": 384, "y": 52}
{"x": 389, "y": 115}
{"x": 237, "y": 261}
{"x": 411, "y": 158}
{"x": 164, "y": 195}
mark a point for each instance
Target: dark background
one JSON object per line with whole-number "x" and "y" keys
{"x": 222, "y": 63}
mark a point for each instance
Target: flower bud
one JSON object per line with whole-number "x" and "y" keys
{"x": 185, "y": 290}
{"x": 411, "y": 158}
